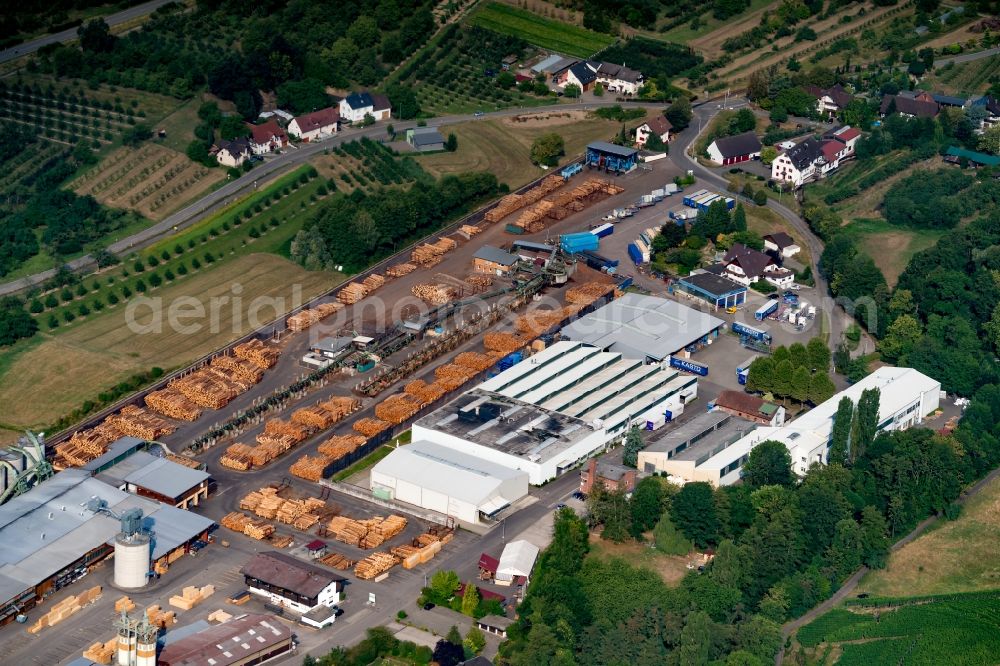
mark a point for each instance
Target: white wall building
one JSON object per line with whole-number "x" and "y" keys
{"x": 516, "y": 560}
{"x": 907, "y": 396}
{"x": 316, "y": 125}
{"x": 356, "y": 106}
{"x": 290, "y": 582}
{"x": 555, "y": 409}
{"x": 450, "y": 482}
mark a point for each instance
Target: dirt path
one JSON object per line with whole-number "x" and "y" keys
{"x": 789, "y": 628}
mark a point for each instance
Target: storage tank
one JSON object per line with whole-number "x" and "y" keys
{"x": 131, "y": 560}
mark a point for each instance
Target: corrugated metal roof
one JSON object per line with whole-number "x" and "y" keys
{"x": 166, "y": 478}
{"x": 605, "y": 147}
{"x": 496, "y": 255}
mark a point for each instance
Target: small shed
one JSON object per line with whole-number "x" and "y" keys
{"x": 489, "y": 259}
{"x": 494, "y": 624}
{"x": 518, "y": 559}
{"x": 425, "y": 139}
{"x": 316, "y": 549}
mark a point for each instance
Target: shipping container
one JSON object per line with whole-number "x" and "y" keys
{"x": 750, "y": 332}
{"x": 766, "y": 310}
{"x": 689, "y": 198}
{"x": 687, "y": 365}
{"x": 572, "y": 170}
{"x": 635, "y": 254}
{"x": 514, "y": 229}
{"x": 572, "y": 243}
{"x": 603, "y": 230}
{"x": 598, "y": 261}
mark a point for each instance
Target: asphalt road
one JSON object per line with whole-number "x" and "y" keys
{"x": 293, "y": 157}
{"x": 112, "y": 20}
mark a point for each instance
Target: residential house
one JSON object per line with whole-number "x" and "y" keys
{"x": 613, "y": 477}
{"x": 233, "y": 153}
{"x": 425, "y": 139}
{"x": 581, "y": 75}
{"x": 617, "y": 78}
{"x": 657, "y": 125}
{"x": 746, "y": 266}
{"x": 782, "y": 244}
{"x": 799, "y": 164}
{"x": 829, "y": 101}
{"x": 949, "y": 100}
{"x": 288, "y": 581}
{"x": 312, "y": 126}
{"x": 356, "y": 106}
{"x": 735, "y": 149}
{"x": 846, "y": 135}
{"x": 921, "y": 105}
{"x": 267, "y": 137}
{"x": 992, "y": 106}
{"x": 751, "y": 408}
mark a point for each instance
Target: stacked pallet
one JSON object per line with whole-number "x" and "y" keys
{"x": 397, "y": 408}
{"x": 451, "y": 376}
{"x": 474, "y": 361}
{"x": 479, "y": 280}
{"x": 341, "y": 406}
{"x": 337, "y": 561}
{"x": 370, "y": 427}
{"x": 65, "y": 608}
{"x": 505, "y": 343}
{"x": 339, "y": 446}
{"x": 434, "y": 294}
{"x": 191, "y": 596}
{"x": 137, "y": 422}
{"x": 238, "y": 457}
{"x": 588, "y": 293}
{"x": 352, "y": 293}
{"x": 310, "y": 468}
{"x": 219, "y": 617}
{"x": 259, "y": 353}
{"x": 206, "y": 389}
{"x": 314, "y": 417}
{"x": 426, "y": 393}
{"x": 159, "y": 617}
{"x": 399, "y": 270}
{"x": 375, "y": 565}
{"x": 102, "y": 653}
{"x": 172, "y": 404}
{"x": 240, "y": 368}
{"x": 373, "y": 282}
{"x": 469, "y": 229}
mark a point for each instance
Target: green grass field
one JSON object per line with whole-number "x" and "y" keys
{"x": 546, "y": 33}
{"x": 954, "y": 630}
{"x": 891, "y": 247}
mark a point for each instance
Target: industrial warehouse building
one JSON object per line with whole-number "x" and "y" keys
{"x": 158, "y": 478}
{"x": 450, "y": 482}
{"x": 246, "y": 639}
{"x": 551, "y": 411}
{"x": 644, "y": 327}
{"x": 718, "y": 290}
{"x": 50, "y": 538}
{"x": 907, "y": 396}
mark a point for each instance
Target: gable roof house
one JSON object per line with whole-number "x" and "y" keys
{"x": 233, "y": 153}
{"x": 746, "y": 265}
{"x": 922, "y": 106}
{"x": 356, "y": 106}
{"x": 425, "y": 139}
{"x": 311, "y": 126}
{"x": 830, "y": 100}
{"x": 657, "y": 125}
{"x": 992, "y": 106}
{"x": 617, "y": 78}
{"x": 781, "y": 243}
{"x": 799, "y": 164}
{"x": 267, "y": 137}
{"x": 580, "y": 74}
{"x": 750, "y": 407}
{"x": 734, "y": 149}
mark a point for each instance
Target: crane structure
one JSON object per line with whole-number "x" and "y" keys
{"x": 23, "y": 466}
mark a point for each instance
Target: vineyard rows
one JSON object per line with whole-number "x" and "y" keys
{"x": 48, "y": 104}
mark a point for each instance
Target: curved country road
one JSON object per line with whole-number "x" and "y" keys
{"x": 789, "y": 628}
{"x": 270, "y": 168}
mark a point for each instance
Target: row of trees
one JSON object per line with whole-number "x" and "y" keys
{"x": 800, "y": 372}
{"x": 782, "y": 544}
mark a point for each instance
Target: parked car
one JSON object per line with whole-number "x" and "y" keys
{"x": 579, "y": 496}
{"x": 731, "y": 309}
{"x": 479, "y": 114}
{"x": 428, "y": 606}
{"x": 560, "y": 506}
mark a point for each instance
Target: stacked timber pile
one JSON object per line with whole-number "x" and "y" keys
{"x": 413, "y": 555}
{"x": 399, "y": 270}
{"x": 191, "y": 596}
{"x": 340, "y": 446}
{"x": 370, "y": 427}
{"x": 240, "y": 368}
{"x": 370, "y": 533}
{"x": 426, "y": 255}
{"x": 102, "y": 653}
{"x": 391, "y": 526}
{"x": 445, "y": 244}
{"x": 183, "y": 460}
{"x": 82, "y": 447}
{"x": 310, "y": 468}
{"x": 589, "y": 292}
{"x": 172, "y": 404}
{"x": 159, "y": 617}
{"x": 280, "y": 540}
{"x": 352, "y": 293}
{"x": 564, "y": 203}
{"x": 237, "y": 457}
{"x": 282, "y": 433}
{"x": 261, "y": 354}
{"x": 314, "y": 417}
{"x": 479, "y": 280}
{"x": 341, "y": 406}
{"x": 505, "y": 343}
{"x": 137, "y": 422}
{"x": 219, "y": 617}
{"x": 308, "y": 317}
{"x": 65, "y": 608}
{"x": 533, "y": 219}
{"x": 424, "y": 392}
{"x": 515, "y": 202}
{"x": 373, "y": 282}
{"x": 451, "y": 376}
{"x": 397, "y": 408}
{"x": 474, "y": 361}
{"x": 469, "y": 230}
{"x": 374, "y": 565}
{"x": 124, "y": 604}
{"x": 235, "y": 521}
{"x": 258, "y": 529}
{"x": 434, "y": 294}
{"x": 266, "y": 503}
{"x": 337, "y": 561}
{"x": 205, "y": 389}
{"x": 347, "y": 530}
{"x": 534, "y": 323}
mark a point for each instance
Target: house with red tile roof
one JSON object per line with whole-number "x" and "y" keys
{"x": 311, "y": 126}
{"x": 267, "y": 137}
